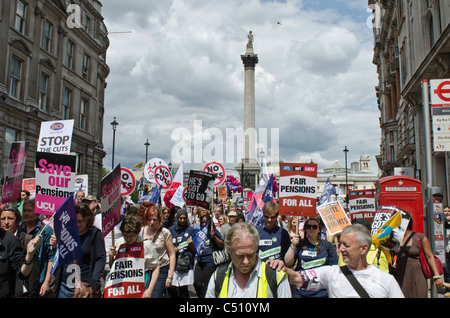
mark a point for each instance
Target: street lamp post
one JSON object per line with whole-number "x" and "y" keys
{"x": 114, "y": 125}
{"x": 146, "y": 151}
{"x": 346, "y": 181}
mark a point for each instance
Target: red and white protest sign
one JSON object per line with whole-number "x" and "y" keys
{"x": 361, "y": 205}
{"x": 128, "y": 181}
{"x": 111, "y": 200}
{"x": 298, "y": 189}
{"x": 55, "y": 181}
{"x": 126, "y": 278}
{"x": 14, "y": 172}
{"x": 163, "y": 177}
{"x": 217, "y": 169}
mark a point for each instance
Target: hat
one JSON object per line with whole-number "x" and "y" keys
{"x": 232, "y": 213}
{"x": 90, "y": 198}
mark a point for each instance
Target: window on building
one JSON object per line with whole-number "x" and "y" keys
{"x": 66, "y": 104}
{"x": 21, "y": 12}
{"x": 47, "y": 40}
{"x": 43, "y": 92}
{"x": 69, "y": 54}
{"x": 83, "y": 112}
{"x": 15, "y": 77}
{"x": 87, "y": 23}
{"x": 86, "y": 62}
{"x": 431, "y": 31}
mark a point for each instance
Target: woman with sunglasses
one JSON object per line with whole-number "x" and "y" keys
{"x": 310, "y": 252}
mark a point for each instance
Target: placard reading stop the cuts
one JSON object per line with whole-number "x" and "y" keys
{"x": 163, "y": 177}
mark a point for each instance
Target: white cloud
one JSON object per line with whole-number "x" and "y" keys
{"x": 181, "y": 62}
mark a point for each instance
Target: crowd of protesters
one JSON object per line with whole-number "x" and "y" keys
{"x": 290, "y": 244}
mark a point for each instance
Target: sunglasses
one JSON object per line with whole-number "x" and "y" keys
{"x": 313, "y": 227}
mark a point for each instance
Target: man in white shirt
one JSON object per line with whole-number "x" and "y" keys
{"x": 354, "y": 244}
{"x": 246, "y": 276}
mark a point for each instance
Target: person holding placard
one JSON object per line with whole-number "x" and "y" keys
{"x": 34, "y": 226}
{"x": 310, "y": 252}
{"x": 356, "y": 279}
{"x": 130, "y": 228}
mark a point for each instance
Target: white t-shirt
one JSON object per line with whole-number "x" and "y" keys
{"x": 377, "y": 283}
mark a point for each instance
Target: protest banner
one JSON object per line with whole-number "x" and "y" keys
{"x": 128, "y": 181}
{"x": 218, "y": 169}
{"x": 111, "y": 200}
{"x": 82, "y": 183}
{"x": 66, "y": 232}
{"x": 333, "y": 216}
{"x": 389, "y": 226}
{"x": 55, "y": 181}
{"x": 14, "y": 172}
{"x": 29, "y": 184}
{"x": 163, "y": 177}
{"x": 361, "y": 205}
{"x": 178, "y": 197}
{"x": 200, "y": 188}
{"x": 150, "y": 166}
{"x": 298, "y": 189}
{"x": 55, "y": 136}
{"x": 126, "y": 278}
{"x": 222, "y": 192}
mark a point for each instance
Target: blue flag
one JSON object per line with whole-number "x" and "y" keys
{"x": 199, "y": 239}
{"x": 66, "y": 232}
{"x": 156, "y": 194}
{"x": 328, "y": 190}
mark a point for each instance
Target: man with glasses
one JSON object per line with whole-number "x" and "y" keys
{"x": 274, "y": 240}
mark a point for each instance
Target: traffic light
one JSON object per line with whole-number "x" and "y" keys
{"x": 146, "y": 189}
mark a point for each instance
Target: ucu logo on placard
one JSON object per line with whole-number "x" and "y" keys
{"x": 46, "y": 206}
{"x": 310, "y": 169}
{"x": 135, "y": 248}
{"x": 57, "y": 126}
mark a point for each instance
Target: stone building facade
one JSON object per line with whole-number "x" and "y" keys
{"x": 53, "y": 67}
{"x": 411, "y": 44}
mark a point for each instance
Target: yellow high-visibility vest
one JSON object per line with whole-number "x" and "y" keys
{"x": 263, "y": 282}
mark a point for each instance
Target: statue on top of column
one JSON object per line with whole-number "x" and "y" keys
{"x": 250, "y": 40}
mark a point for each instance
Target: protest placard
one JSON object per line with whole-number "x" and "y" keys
{"x": 128, "y": 181}
{"x": 55, "y": 136}
{"x": 14, "y": 172}
{"x": 298, "y": 189}
{"x": 389, "y": 226}
{"x": 200, "y": 188}
{"x": 361, "y": 205}
{"x": 218, "y": 169}
{"x": 333, "y": 216}
{"x": 178, "y": 197}
{"x": 55, "y": 181}
{"x": 111, "y": 199}
{"x": 222, "y": 192}
{"x": 127, "y": 278}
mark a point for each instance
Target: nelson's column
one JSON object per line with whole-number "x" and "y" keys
{"x": 248, "y": 168}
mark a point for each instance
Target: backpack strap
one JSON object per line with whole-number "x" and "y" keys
{"x": 271, "y": 275}
{"x": 352, "y": 279}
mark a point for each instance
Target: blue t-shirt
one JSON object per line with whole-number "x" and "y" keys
{"x": 206, "y": 259}
{"x": 179, "y": 240}
{"x": 273, "y": 243}
{"x": 313, "y": 257}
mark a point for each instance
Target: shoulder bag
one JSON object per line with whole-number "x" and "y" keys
{"x": 428, "y": 272}
{"x": 352, "y": 279}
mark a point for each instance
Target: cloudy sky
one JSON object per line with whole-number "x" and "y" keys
{"x": 178, "y": 80}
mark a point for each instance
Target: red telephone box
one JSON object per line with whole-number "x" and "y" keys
{"x": 403, "y": 192}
